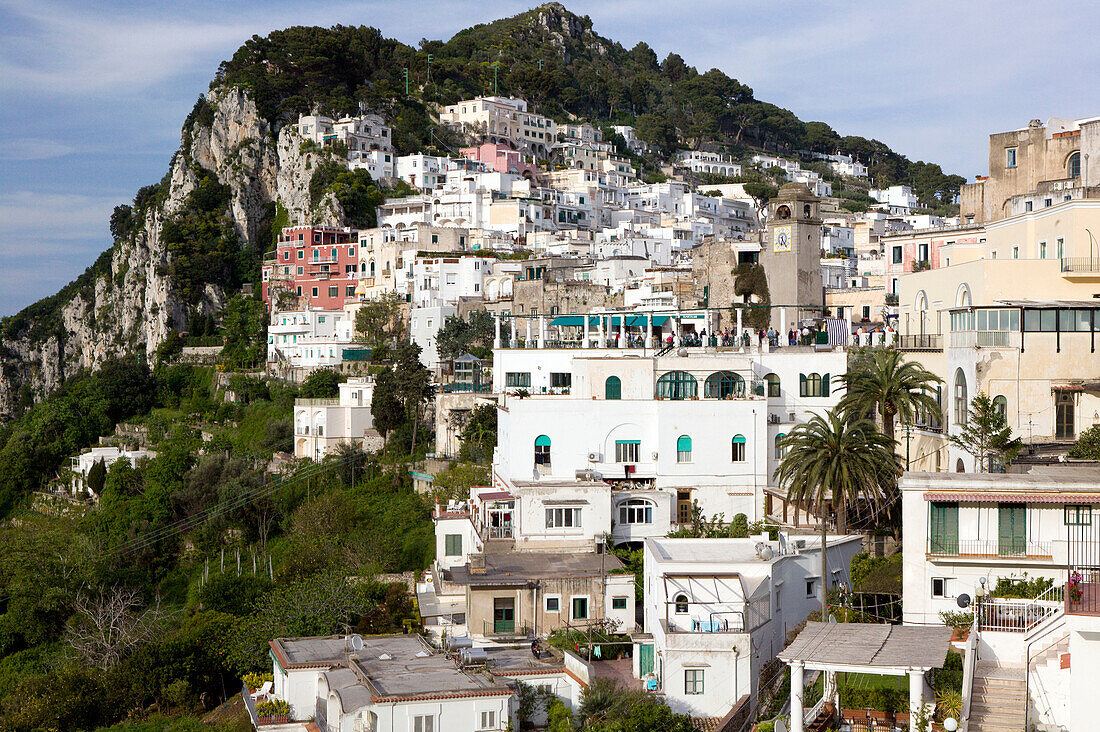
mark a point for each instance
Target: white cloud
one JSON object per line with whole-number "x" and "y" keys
{"x": 54, "y": 216}
{"x": 33, "y": 148}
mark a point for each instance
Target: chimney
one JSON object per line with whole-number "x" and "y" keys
{"x": 477, "y": 564}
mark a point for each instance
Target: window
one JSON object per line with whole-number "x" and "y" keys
{"x": 636, "y": 511}
{"x": 424, "y": 723}
{"x": 626, "y": 451}
{"x": 351, "y": 251}
{"x": 563, "y": 518}
{"x": 677, "y": 385}
{"x": 452, "y": 545}
{"x": 301, "y": 254}
{"x": 333, "y": 291}
{"x": 1000, "y": 406}
{"x": 618, "y": 603}
{"x": 333, "y": 252}
{"x": 349, "y": 291}
{"x": 683, "y": 449}
{"x": 813, "y": 385}
{"x": 681, "y": 602}
{"x": 773, "y": 385}
{"x": 897, "y": 255}
{"x": 1078, "y": 516}
{"x": 943, "y": 529}
{"x": 1010, "y": 157}
{"x": 779, "y": 449}
{"x": 1015, "y": 252}
{"x": 488, "y": 720}
{"x": 314, "y": 292}
{"x": 1060, "y": 248}
{"x": 301, "y": 270}
{"x": 724, "y": 385}
{"x": 1073, "y": 165}
{"x": 613, "y": 388}
{"x": 738, "y": 449}
{"x": 810, "y": 587}
{"x": 961, "y": 400}
{"x": 561, "y": 380}
{"x": 1028, "y": 205}
{"x": 1011, "y": 529}
{"x": 553, "y": 604}
{"x": 939, "y": 587}
{"x": 518, "y": 379}
{"x": 542, "y": 450}
{"x": 580, "y": 608}
{"x": 693, "y": 681}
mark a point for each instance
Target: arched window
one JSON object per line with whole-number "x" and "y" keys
{"x": 724, "y": 385}
{"x": 636, "y": 511}
{"x": 683, "y": 449}
{"x": 677, "y": 385}
{"x": 1073, "y": 165}
{"x": 773, "y": 385}
{"x": 542, "y": 450}
{"x": 779, "y": 446}
{"x": 738, "y": 449}
{"x": 612, "y": 388}
{"x": 681, "y": 601}
{"x": 372, "y": 268}
{"x": 813, "y": 385}
{"x": 1000, "y": 406}
{"x": 959, "y": 466}
{"x": 960, "y": 397}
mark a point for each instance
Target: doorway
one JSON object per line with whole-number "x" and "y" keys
{"x": 1064, "y": 416}
{"x": 504, "y": 615}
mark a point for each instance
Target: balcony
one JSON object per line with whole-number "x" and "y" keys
{"x": 985, "y": 339}
{"x": 1088, "y": 267}
{"x": 922, "y": 342}
{"x": 990, "y": 549}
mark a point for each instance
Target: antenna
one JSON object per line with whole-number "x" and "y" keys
{"x": 356, "y": 643}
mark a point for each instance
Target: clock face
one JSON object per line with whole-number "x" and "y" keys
{"x": 781, "y": 239}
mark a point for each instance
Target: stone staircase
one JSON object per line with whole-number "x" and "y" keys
{"x": 998, "y": 701}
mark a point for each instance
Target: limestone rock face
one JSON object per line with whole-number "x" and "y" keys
{"x": 132, "y": 306}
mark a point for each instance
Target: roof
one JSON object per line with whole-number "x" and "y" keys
{"x": 732, "y": 551}
{"x": 523, "y": 567}
{"x": 1046, "y": 303}
{"x": 318, "y": 652}
{"x": 871, "y": 645}
{"x": 1062, "y": 482}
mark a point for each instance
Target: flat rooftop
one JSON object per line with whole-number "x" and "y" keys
{"x": 504, "y": 660}
{"x": 732, "y": 551}
{"x": 522, "y": 567}
{"x": 869, "y": 644}
{"x": 1062, "y": 479}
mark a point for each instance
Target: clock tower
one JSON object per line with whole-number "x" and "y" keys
{"x": 790, "y": 253}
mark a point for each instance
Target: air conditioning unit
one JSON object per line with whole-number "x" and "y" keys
{"x": 773, "y": 418}
{"x": 593, "y": 457}
{"x": 790, "y": 416}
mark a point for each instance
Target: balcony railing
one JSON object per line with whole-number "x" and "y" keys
{"x": 984, "y": 339}
{"x": 938, "y": 547}
{"x": 921, "y": 342}
{"x": 1081, "y": 264}
{"x": 1017, "y": 616}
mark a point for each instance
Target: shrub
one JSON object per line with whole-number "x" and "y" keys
{"x": 958, "y": 620}
{"x": 272, "y": 708}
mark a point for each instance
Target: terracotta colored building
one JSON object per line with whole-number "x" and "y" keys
{"x": 318, "y": 264}
{"x": 500, "y": 158}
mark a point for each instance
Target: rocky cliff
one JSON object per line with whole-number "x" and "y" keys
{"x": 127, "y": 303}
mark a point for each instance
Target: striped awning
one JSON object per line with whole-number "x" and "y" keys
{"x": 1014, "y": 497}
{"x": 632, "y": 321}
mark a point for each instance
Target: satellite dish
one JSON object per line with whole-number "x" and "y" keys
{"x": 963, "y": 600}
{"x": 356, "y": 643}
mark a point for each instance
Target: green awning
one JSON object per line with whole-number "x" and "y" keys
{"x": 632, "y": 321}
{"x": 542, "y": 441}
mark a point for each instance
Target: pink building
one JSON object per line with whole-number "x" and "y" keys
{"x": 500, "y": 158}
{"x": 317, "y": 263}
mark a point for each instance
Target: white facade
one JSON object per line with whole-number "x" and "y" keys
{"x": 379, "y": 163}
{"x": 847, "y": 166}
{"x": 309, "y": 338}
{"x": 360, "y": 134}
{"x": 708, "y": 163}
{"x": 636, "y": 144}
{"x": 424, "y": 325}
{"x": 82, "y": 463}
{"x": 719, "y": 609}
{"x": 322, "y": 424}
{"x": 897, "y": 199}
{"x": 423, "y": 171}
{"x": 443, "y": 280}
{"x": 503, "y": 120}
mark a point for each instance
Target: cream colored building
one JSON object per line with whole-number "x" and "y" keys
{"x": 380, "y": 253}
{"x": 503, "y": 120}
{"x": 1018, "y": 318}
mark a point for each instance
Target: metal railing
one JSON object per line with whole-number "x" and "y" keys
{"x": 983, "y": 339}
{"x": 1081, "y": 264}
{"x": 920, "y": 342}
{"x": 1015, "y": 616}
{"x": 502, "y": 629}
{"x": 940, "y": 547}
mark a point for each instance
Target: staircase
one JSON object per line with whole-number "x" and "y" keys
{"x": 998, "y": 702}
{"x": 824, "y": 720}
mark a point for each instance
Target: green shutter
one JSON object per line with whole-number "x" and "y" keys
{"x": 944, "y": 528}
{"x": 802, "y": 385}
{"x": 1011, "y": 529}
{"x": 542, "y": 441}
{"x": 824, "y": 385}
{"x": 613, "y": 388}
{"x": 683, "y": 443}
{"x": 453, "y": 546}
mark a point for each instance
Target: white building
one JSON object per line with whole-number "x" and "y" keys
{"x": 503, "y": 120}
{"x": 423, "y": 171}
{"x": 444, "y": 280}
{"x": 309, "y": 338}
{"x": 379, "y": 163}
{"x": 896, "y": 199}
{"x": 322, "y": 424}
{"x": 424, "y": 325}
{"x": 708, "y": 163}
{"x": 701, "y": 426}
{"x": 967, "y": 536}
{"x": 718, "y": 610}
{"x": 82, "y": 463}
{"x": 847, "y": 166}
{"x": 636, "y": 144}
{"x": 360, "y": 134}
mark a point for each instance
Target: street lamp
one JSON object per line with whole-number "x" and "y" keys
{"x": 950, "y": 724}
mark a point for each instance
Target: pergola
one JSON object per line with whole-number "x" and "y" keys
{"x": 889, "y": 650}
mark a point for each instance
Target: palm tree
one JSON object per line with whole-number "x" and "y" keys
{"x": 839, "y": 456}
{"x": 881, "y": 380}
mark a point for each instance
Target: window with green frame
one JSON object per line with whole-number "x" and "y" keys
{"x": 943, "y": 528}
{"x": 677, "y": 385}
{"x": 724, "y": 385}
{"x": 1011, "y": 529}
{"x": 813, "y": 385}
{"x": 452, "y": 545}
{"x": 693, "y": 681}
{"x": 618, "y": 603}
{"x": 613, "y": 388}
{"x": 683, "y": 449}
{"x": 773, "y": 385}
{"x": 738, "y": 449}
{"x": 1078, "y": 516}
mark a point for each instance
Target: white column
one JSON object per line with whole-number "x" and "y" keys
{"x": 676, "y": 331}
{"x": 740, "y": 327}
{"x": 848, "y": 320}
{"x": 542, "y": 332}
{"x": 916, "y": 697}
{"x": 528, "y": 342}
{"x": 584, "y": 322}
{"x": 496, "y": 324}
{"x": 602, "y": 343}
{"x": 797, "y": 691}
{"x": 622, "y": 330}
{"x": 514, "y": 341}
{"x": 783, "y": 327}
{"x": 648, "y": 330}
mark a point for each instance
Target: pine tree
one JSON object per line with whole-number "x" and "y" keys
{"x": 986, "y": 434}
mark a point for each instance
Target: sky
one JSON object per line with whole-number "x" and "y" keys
{"x": 92, "y": 95}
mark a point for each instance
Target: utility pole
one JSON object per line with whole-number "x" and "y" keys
{"x": 496, "y": 65}
{"x": 429, "y": 68}
{"x": 907, "y": 445}
{"x": 406, "y": 81}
